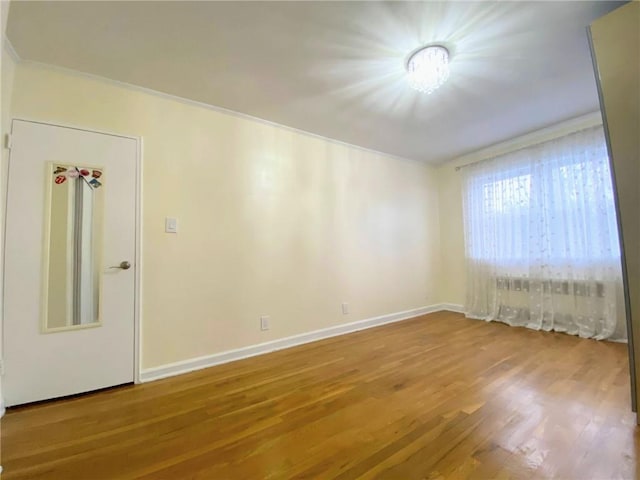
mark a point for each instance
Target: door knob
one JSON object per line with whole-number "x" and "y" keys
{"x": 124, "y": 265}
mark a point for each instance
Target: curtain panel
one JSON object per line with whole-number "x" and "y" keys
{"x": 541, "y": 239}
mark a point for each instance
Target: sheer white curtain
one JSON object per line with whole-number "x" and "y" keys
{"x": 542, "y": 241}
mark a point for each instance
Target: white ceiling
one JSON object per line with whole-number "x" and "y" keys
{"x": 336, "y": 69}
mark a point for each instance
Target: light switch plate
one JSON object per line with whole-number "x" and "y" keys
{"x": 171, "y": 225}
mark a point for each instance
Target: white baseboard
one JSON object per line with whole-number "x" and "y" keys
{"x": 3, "y": 410}
{"x": 177, "y": 368}
{"x": 453, "y": 307}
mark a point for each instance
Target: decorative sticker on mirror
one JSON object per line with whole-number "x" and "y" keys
{"x": 89, "y": 175}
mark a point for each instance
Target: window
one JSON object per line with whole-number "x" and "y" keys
{"x": 541, "y": 238}
{"x": 558, "y": 208}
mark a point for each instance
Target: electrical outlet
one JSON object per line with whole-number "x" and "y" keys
{"x": 345, "y": 308}
{"x": 265, "y": 321}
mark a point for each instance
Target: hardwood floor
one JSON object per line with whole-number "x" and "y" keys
{"x": 439, "y": 396}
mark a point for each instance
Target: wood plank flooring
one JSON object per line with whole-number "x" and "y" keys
{"x": 435, "y": 397}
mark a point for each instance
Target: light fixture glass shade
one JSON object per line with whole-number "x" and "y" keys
{"x": 428, "y": 68}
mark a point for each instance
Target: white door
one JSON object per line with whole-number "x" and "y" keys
{"x": 71, "y": 217}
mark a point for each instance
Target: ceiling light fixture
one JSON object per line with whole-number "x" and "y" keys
{"x": 428, "y": 68}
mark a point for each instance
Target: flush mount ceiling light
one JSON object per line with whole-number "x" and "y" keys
{"x": 428, "y": 68}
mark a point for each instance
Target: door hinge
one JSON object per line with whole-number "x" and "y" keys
{"x": 8, "y": 141}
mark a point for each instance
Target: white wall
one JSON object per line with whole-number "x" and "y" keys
{"x": 271, "y": 221}
{"x": 451, "y": 236}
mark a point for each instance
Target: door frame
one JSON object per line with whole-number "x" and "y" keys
{"x": 137, "y": 313}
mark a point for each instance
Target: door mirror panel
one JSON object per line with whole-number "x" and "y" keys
{"x": 74, "y": 217}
